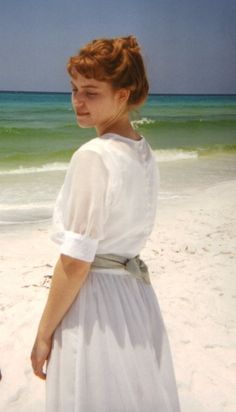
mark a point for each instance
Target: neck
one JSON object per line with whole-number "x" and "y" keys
{"x": 121, "y": 126}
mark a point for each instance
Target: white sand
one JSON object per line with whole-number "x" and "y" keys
{"x": 191, "y": 257}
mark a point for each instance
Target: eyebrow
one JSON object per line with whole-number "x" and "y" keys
{"x": 89, "y": 85}
{"x": 84, "y": 87}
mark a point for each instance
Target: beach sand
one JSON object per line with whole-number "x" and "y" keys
{"x": 192, "y": 261}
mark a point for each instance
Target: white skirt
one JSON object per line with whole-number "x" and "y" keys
{"x": 111, "y": 352}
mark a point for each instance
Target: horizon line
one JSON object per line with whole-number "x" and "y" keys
{"x": 149, "y": 94}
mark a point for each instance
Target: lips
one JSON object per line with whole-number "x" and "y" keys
{"x": 82, "y": 114}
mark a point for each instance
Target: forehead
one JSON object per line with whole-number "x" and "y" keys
{"x": 80, "y": 81}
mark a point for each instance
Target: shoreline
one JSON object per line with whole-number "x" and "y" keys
{"x": 181, "y": 178}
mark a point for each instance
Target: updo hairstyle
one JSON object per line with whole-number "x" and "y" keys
{"x": 117, "y": 61}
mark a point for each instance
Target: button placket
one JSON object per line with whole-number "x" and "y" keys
{"x": 147, "y": 189}
{"x": 149, "y": 192}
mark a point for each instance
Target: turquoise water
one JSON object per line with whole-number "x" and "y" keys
{"x": 39, "y": 133}
{"x": 40, "y": 128}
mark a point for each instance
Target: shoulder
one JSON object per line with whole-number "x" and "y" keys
{"x": 86, "y": 150}
{"x": 96, "y": 148}
{"x": 88, "y": 157}
{"x": 96, "y": 144}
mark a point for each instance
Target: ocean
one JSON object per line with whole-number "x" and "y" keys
{"x": 39, "y": 133}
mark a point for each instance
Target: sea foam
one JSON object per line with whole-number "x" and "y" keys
{"x": 142, "y": 122}
{"x": 49, "y": 167}
{"x": 161, "y": 155}
{"x": 174, "y": 154}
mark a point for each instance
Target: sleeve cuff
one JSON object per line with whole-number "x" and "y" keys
{"x": 78, "y": 246}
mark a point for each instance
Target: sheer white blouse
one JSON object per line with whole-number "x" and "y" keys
{"x": 107, "y": 203}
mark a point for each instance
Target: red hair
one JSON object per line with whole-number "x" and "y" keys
{"x": 117, "y": 61}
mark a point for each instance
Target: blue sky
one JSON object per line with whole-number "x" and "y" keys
{"x": 189, "y": 46}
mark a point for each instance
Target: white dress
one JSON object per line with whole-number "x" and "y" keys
{"x": 110, "y": 352}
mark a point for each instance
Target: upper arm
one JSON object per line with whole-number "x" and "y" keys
{"x": 83, "y": 206}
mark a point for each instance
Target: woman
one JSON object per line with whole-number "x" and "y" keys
{"x": 101, "y": 333}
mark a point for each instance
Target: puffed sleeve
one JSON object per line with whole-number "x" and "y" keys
{"x": 80, "y": 210}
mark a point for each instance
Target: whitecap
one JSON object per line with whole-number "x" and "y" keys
{"x": 169, "y": 155}
{"x": 49, "y": 167}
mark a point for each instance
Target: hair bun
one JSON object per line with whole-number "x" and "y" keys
{"x": 130, "y": 42}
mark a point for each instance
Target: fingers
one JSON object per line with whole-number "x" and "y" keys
{"x": 37, "y": 366}
{"x": 38, "y": 369}
{"x": 40, "y": 374}
{"x": 39, "y": 355}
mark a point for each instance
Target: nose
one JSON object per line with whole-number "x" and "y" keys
{"x": 78, "y": 97}
{"x": 78, "y": 101}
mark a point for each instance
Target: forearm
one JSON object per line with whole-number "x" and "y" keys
{"x": 67, "y": 280}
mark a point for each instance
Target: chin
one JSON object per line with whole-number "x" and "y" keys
{"x": 84, "y": 125}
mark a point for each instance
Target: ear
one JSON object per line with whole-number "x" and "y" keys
{"x": 123, "y": 95}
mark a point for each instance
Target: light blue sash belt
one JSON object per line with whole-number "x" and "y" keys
{"x": 135, "y": 266}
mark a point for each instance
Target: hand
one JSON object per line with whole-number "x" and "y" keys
{"x": 40, "y": 353}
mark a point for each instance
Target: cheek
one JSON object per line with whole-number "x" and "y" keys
{"x": 73, "y": 101}
{"x": 106, "y": 107}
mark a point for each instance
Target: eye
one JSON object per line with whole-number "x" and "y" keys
{"x": 91, "y": 94}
